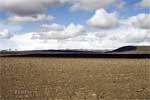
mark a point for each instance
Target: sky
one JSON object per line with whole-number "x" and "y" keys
{"x": 73, "y": 24}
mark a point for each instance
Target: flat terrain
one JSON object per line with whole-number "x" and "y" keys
{"x": 74, "y": 79}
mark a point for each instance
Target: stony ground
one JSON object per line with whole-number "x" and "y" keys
{"x": 74, "y": 79}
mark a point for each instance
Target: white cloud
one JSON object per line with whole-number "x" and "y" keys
{"x": 122, "y": 37}
{"x": 120, "y": 4}
{"x": 34, "y": 7}
{"x": 130, "y": 35}
{"x": 52, "y": 27}
{"x": 92, "y": 40}
{"x": 26, "y": 19}
{"x": 27, "y": 7}
{"x": 144, "y": 4}
{"x": 90, "y": 4}
{"x": 103, "y": 19}
{"x": 134, "y": 31}
{"x": 5, "y": 34}
{"x": 69, "y": 31}
{"x": 140, "y": 21}
{"x": 25, "y": 42}
{"x": 93, "y": 4}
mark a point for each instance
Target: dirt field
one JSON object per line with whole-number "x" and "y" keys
{"x": 74, "y": 79}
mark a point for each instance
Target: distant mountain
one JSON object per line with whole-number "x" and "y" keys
{"x": 133, "y": 50}
{"x": 126, "y": 49}
{"x": 54, "y": 52}
{"x": 123, "y": 52}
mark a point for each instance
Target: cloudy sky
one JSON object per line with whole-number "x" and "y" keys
{"x": 73, "y": 24}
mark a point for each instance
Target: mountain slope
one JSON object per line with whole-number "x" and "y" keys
{"x": 133, "y": 50}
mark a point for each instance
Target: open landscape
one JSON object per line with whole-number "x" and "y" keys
{"x": 74, "y": 49}
{"x": 74, "y": 79}
{"x": 76, "y": 74}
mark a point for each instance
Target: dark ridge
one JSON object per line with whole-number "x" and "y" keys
{"x": 57, "y": 51}
{"x": 51, "y": 51}
{"x": 125, "y": 49}
{"x": 123, "y": 52}
{"x": 83, "y": 55}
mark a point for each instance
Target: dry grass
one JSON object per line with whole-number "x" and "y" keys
{"x": 74, "y": 79}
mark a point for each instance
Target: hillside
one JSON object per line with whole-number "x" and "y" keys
{"x": 123, "y": 52}
{"x": 133, "y": 50}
